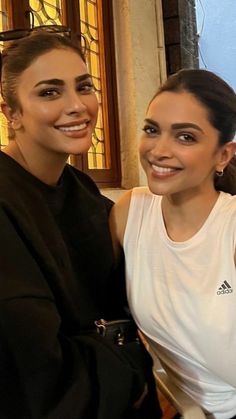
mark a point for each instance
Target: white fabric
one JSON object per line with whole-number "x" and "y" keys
{"x": 178, "y": 297}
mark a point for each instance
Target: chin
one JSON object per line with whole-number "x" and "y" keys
{"x": 157, "y": 190}
{"x": 81, "y": 148}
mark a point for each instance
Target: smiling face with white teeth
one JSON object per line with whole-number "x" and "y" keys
{"x": 179, "y": 149}
{"x": 58, "y": 106}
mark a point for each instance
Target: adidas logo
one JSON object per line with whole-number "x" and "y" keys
{"x": 224, "y": 289}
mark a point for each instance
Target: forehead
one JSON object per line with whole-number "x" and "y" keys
{"x": 177, "y": 106}
{"x": 64, "y": 64}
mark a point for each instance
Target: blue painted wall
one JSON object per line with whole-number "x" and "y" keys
{"x": 216, "y": 23}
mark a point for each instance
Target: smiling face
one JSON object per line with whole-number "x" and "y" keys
{"x": 179, "y": 148}
{"x": 58, "y": 106}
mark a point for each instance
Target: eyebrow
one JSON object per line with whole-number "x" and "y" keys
{"x": 176, "y": 125}
{"x": 186, "y": 125}
{"x": 59, "y": 82}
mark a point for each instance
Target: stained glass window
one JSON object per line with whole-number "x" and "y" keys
{"x": 91, "y": 29}
{"x": 45, "y": 12}
{"x": 3, "y": 27}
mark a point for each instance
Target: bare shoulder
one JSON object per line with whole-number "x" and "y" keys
{"x": 117, "y": 221}
{"x": 119, "y": 215}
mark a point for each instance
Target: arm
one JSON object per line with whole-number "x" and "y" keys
{"x": 43, "y": 372}
{"x": 117, "y": 221}
{"x": 40, "y": 370}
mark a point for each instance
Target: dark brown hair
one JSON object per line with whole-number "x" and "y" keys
{"x": 220, "y": 101}
{"x": 20, "y": 54}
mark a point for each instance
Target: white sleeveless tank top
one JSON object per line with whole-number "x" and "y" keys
{"x": 183, "y": 297}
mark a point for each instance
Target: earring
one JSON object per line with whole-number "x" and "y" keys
{"x": 220, "y": 173}
{"x": 15, "y": 124}
{"x": 11, "y": 131}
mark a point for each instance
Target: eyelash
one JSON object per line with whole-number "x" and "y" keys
{"x": 152, "y": 131}
{"x": 85, "y": 88}
{"x": 190, "y": 137}
{"x": 49, "y": 92}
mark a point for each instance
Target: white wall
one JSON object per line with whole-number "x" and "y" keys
{"x": 140, "y": 67}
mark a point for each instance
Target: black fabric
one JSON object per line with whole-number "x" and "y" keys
{"x": 56, "y": 278}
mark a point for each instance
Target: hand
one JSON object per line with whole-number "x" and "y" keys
{"x": 139, "y": 402}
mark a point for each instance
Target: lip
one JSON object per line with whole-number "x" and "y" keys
{"x": 74, "y": 129}
{"x": 73, "y": 124}
{"x": 164, "y": 171}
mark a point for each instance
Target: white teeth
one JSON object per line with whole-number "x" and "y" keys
{"x": 159, "y": 169}
{"x": 73, "y": 128}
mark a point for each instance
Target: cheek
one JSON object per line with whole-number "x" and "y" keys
{"x": 93, "y": 105}
{"x": 45, "y": 114}
{"x": 143, "y": 147}
{"x": 198, "y": 162}
{"x": 42, "y": 112}
{"x": 48, "y": 111}
{"x": 90, "y": 101}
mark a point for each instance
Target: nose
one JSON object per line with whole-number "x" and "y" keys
{"x": 162, "y": 147}
{"x": 75, "y": 103}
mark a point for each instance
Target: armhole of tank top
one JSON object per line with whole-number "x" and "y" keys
{"x": 129, "y": 215}
{"x": 133, "y": 200}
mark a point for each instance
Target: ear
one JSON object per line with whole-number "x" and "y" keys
{"x": 13, "y": 117}
{"x": 227, "y": 152}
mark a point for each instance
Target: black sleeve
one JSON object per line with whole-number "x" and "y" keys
{"x": 44, "y": 374}
{"x": 39, "y": 369}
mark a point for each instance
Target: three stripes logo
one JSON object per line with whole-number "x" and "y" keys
{"x": 225, "y": 288}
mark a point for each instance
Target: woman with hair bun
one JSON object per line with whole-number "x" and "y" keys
{"x": 179, "y": 237}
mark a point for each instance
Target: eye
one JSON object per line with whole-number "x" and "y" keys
{"x": 50, "y": 93}
{"x": 150, "y": 129}
{"x": 186, "y": 137}
{"x": 86, "y": 87}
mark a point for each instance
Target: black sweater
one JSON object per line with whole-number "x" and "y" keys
{"x": 56, "y": 278}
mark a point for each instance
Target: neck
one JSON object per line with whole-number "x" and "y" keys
{"x": 184, "y": 217}
{"x": 47, "y": 168}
